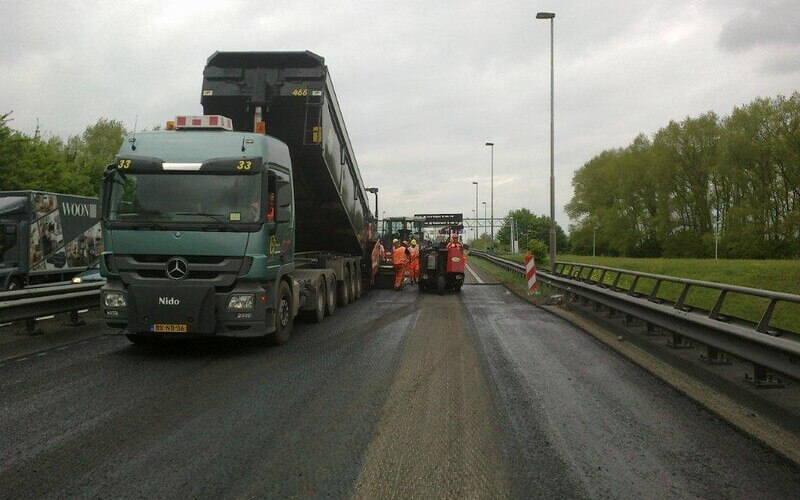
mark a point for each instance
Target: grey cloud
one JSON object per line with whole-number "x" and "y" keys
{"x": 763, "y": 24}
{"x": 783, "y": 63}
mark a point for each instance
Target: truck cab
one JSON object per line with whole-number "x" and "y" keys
{"x": 198, "y": 224}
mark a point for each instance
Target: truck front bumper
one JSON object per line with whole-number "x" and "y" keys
{"x": 186, "y": 311}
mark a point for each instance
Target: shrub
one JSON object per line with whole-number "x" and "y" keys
{"x": 540, "y": 251}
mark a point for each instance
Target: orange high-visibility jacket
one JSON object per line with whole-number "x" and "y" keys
{"x": 414, "y": 254}
{"x": 399, "y": 256}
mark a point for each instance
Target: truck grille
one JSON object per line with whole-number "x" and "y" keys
{"x": 214, "y": 270}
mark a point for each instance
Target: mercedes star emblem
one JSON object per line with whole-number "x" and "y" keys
{"x": 177, "y": 268}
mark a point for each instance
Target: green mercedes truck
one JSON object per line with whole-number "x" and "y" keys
{"x": 233, "y": 222}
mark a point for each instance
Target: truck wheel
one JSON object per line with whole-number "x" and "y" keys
{"x": 330, "y": 290}
{"x": 318, "y": 314}
{"x": 344, "y": 291}
{"x": 359, "y": 284}
{"x": 353, "y": 285}
{"x": 13, "y": 284}
{"x": 283, "y": 316}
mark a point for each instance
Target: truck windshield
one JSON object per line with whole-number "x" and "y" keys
{"x": 223, "y": 200}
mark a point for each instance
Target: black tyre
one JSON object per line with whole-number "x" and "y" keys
{"x": 13, "y": 284}
{"x": 359, "y": 284}
{"x": 318, "y": 314}
{"x": 344, "y": 290}
{"x": 140, "y": 339}
{"x": 458, "y": 288}
{"x": 330, "y": 290}
{"x": 283, "y": 316}
{"x": 353, "y": 285}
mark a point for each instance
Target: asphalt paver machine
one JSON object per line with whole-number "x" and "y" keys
{"x": 441, "y": 254}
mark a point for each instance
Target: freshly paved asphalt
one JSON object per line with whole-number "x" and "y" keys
{"x": 401, "y": 394}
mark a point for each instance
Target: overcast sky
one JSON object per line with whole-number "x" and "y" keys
{"x": 422, "y": 84}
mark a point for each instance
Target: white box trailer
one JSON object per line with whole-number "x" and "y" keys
{"x": 46, "y": 237}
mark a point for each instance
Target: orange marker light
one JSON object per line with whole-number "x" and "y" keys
{"x": 170, "y": 125}
{"x": 261, "y": 127}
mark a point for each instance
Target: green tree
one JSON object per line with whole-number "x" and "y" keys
{"x": 668, "y": 195}
{"x": 92, "y": 151}
{"x": 529, "y": 225}
{"x": 49, "y": 164}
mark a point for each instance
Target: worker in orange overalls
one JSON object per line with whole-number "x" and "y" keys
{"x": 399, "y": 261}
{"x": 413, "y": 266}
{"x": 454, "y": 241}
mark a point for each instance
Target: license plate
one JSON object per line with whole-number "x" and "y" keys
{"x": 168, "y": 328}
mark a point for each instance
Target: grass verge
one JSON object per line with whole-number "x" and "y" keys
{"x": 515, "y": 282}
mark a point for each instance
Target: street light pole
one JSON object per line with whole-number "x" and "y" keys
{"x": 551, "y": 16}
{"x": 484, "y": 217}
{"x": 475, "y": 227}
{"x": 491, "y": 146}
{"x": 476, "y": 209}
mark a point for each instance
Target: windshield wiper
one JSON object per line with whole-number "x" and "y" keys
{"x": 150, "y": 222}
{"x": 216, "y": 217}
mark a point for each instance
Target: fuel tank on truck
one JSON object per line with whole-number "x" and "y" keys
{"x": 292, "y": 93}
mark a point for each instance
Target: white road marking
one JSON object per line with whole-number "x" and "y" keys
{"x": 62, "y": 348}
{"x": 21, "y": 360}
{"x": 477, "y": 278}
{"x": 42, "y": 354}
{"x": 45, "y": 317}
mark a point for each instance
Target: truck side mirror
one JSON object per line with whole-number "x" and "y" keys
{"x": 283, "y": 202}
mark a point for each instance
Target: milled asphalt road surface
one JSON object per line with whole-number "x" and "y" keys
{"x": 398, "y": 395}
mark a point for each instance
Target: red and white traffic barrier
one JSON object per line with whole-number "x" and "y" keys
{"x": 530, "y": 272}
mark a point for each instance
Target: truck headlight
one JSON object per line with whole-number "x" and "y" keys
{"x": 114, "y": 299}
{"x": 241, "y": 302}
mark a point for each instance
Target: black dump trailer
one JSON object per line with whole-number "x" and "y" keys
{"x": 292, "y": 94}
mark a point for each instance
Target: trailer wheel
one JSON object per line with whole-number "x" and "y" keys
{"x": 283, "y": 316}
{"x": 330, "y": 292}
{"x": 344, "y": 290}
{"x": 352, "y": 275}
{"x": 359, "y": 284}
{"x": 318, "y": 314}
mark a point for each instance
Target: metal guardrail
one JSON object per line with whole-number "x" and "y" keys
{"x": 29, "y": 304}
{"x": 757, "y": 343}
{"x": 576, "y": 270}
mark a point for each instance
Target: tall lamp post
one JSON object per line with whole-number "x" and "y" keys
{"x": 476, "y": 209}
{"x": 475, "y": 227}
{"x": 484, "y": 217}
{"x": 491, "y": 146}
{"x": 551, "y": 16}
